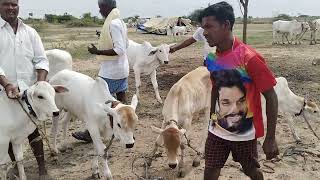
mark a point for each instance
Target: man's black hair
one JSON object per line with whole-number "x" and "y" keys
{"x": 228, "y": 78}
{"x": 222, "y": 11}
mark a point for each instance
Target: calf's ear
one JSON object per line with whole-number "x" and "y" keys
{"x": 153, "y": 52}
{"x": 156, "y": 130}
{"x": 60, "y": 89}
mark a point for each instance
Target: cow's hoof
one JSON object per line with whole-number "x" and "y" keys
{"x": 109, "y": 177}
{"x": 181, "y": 173}
{"x": 96, "y": 176}
{"x": 196, "y": 162}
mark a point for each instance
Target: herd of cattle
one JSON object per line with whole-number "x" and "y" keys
{"x": 79, "y": 96}
{"x": 293, "y": 31}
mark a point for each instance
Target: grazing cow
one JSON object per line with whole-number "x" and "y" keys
{"x": 58, "y": 60}
{"x": 176, "y": 30}
{"x": 86, "y": 101}
{"x": 292, "y": 105}
{"x": 144, "y": 58}
{"x": 191, "y": 94}
{"x": 294, "y": 29}
{"x": 314, "y": 27}
{"x": 15, "y": 127}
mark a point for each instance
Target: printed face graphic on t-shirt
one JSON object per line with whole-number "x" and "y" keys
{"x": 232, "y": 103}
{"x": 233, "y": 108}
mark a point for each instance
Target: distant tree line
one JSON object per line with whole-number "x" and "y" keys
{"x": 86, "y": 20}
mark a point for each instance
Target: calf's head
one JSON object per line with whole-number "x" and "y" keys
{"x": 170, "y": 138}
{"x": 124, "y": 121}
{"x": 311, "y": 110}
{"x": 41, "y": 98}
{"x": 162, "y": 53}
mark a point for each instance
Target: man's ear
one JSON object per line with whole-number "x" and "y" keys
{"x": 227, "y": 25}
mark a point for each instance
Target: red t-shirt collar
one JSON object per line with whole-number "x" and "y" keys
{"x": 236, "y": 43}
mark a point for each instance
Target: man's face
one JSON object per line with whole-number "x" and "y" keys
{"x": 9, "y": 10}
{"x": 214, "y": 31}
{"x": 233, "y": 106}
{"x": 104, "y": 10}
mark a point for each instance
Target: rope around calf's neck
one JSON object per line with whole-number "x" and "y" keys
{"x": 42, "y": 134}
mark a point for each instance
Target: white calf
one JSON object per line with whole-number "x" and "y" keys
{"x": 58, "y": 60}
{"x": 291, "y": 105}
{"x": 86, "y": 101}
{"x": 16, "y": 126}
{"x": 145, "y": 59}
{"x": 176, "y": 30}
{"x": 191, "y": 94}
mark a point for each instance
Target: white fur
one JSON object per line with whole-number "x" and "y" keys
{"x": 145, "y": 59}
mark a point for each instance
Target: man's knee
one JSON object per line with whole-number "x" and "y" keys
{"x": 211, "y": 173}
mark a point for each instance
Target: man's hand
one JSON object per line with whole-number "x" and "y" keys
{"x": 93, "y": 49}
{"x": 12, "y": 91}
{"x": 270, "y": 148}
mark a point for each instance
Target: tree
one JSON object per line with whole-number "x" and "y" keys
{"x": 244, "y": 4}
{"x": 195, "y": 15}
{"x": 285, "y": 17}
{"x": 86, "y": 16}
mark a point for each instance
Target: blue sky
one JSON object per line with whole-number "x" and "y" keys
{"x": 151, "y": 8}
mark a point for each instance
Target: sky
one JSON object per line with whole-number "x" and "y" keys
{"x": 166, "y": 8}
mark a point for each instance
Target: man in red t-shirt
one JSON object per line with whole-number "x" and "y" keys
{"x": 239, "y": 75}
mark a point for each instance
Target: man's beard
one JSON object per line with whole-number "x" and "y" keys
{"x": 241, "y": 126}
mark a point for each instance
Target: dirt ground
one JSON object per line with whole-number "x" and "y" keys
{"x": 297, "y": 161}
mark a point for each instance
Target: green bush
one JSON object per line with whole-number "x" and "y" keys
{"x": 82, "y": 23}
{"x": 39, "y": 26}
{"x": 285, "y": 17}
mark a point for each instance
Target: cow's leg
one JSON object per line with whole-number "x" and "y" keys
{"x": 297, "y": 41}
{"x": 4, "y": 145}
{"x": 291, "y": 126}
{"x": 151, "y": 155}
{"x": 65, "y": 124}
{"x": 154, "y": 82}
{"x": 282, "y": 38}
{"x": 204, "y": 131}
{"x": 18, "y": 153}
{"x": 99, "y": 150}
{"x": 138, "y": 82}
{"x": 274, "y": 37}
{"x": 3, "y": 171}
{"x": 181, "y": 169}
{"x": 54, "y": 133}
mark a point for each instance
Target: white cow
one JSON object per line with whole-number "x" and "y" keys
{"x": 294, "y": 29}
{"x": 58, "y": 60}
{"x": 191, "y": 94}
{"x": 314, "y": 27}
{"x": 16, "y": 126}
{"x": 291, "y": 105}
{"x": 145, "y": 59}
{"x": 176, "y": 30}
{"x": 86, "y": 101}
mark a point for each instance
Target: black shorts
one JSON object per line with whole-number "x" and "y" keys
{"x": 217, "y": 151}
